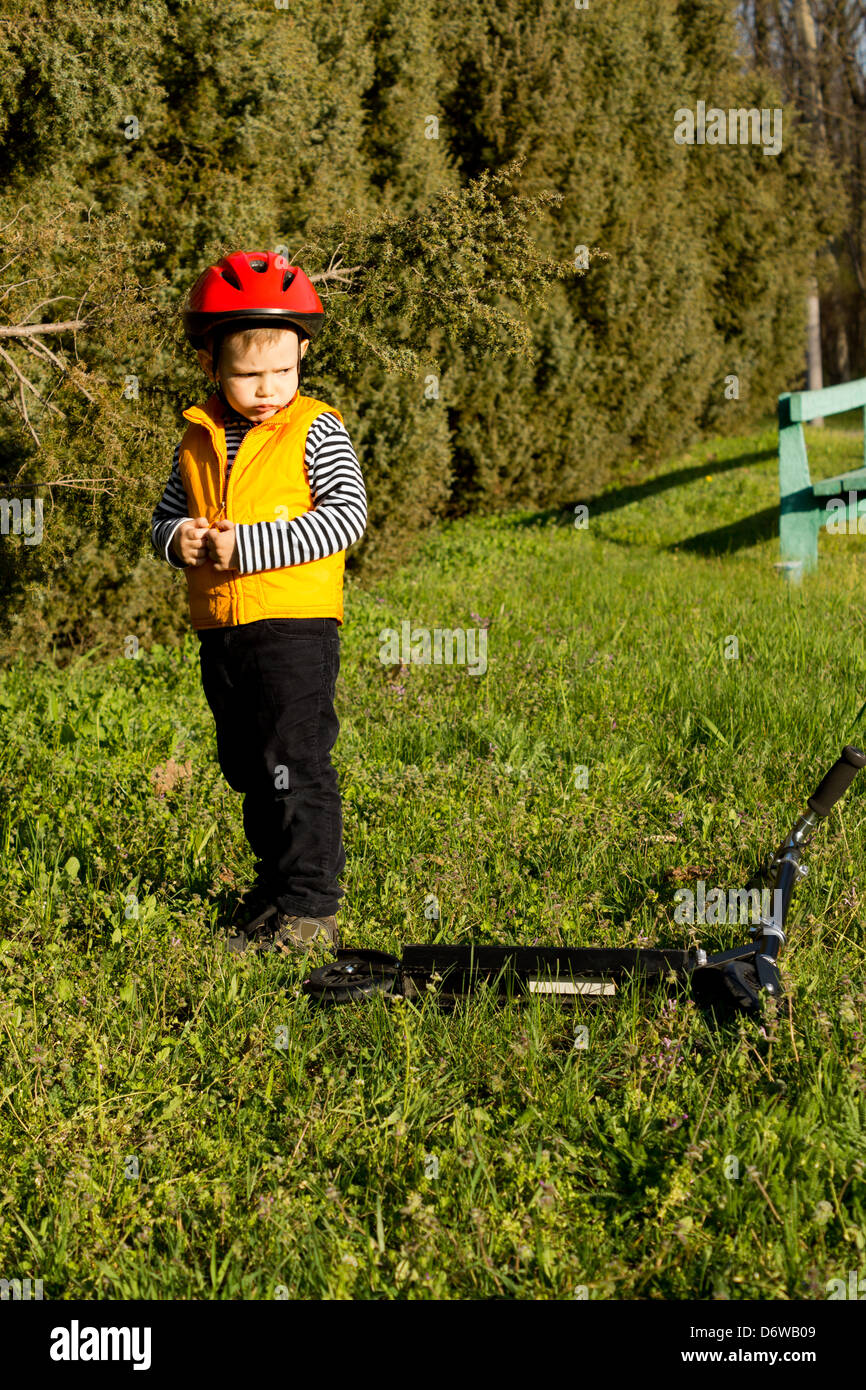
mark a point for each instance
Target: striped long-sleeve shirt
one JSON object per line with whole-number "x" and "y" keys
{"x": 337, "y": 520}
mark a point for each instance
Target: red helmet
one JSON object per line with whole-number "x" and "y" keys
{"x": 255, "y": 287}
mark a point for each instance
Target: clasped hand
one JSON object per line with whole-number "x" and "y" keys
{"x": 196, "y": 542}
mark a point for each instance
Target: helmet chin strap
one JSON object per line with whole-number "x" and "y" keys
{"x": 300, "y": 361}
{"x": 227, "y": 409}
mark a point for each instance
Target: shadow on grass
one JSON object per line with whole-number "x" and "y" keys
{"x": 637, "y": 492}
{"x": 749, "y": 530}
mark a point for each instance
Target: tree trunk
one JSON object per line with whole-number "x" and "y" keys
{"x": 808, "y": 53}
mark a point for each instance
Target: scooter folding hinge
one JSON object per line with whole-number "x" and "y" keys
{"x": 765, "y": 928}
{"x": 801, "y": 870}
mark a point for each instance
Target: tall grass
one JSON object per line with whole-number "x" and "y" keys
{"x": 181, "y": 1123}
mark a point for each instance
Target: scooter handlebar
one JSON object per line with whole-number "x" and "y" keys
{"x": 836, "y": 782}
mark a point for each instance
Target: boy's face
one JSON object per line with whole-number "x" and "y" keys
{"x": 260, "y": 378}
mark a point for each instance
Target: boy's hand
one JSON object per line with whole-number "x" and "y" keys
{"x": 221, "y": 545}
{"x": 188, "y": 541}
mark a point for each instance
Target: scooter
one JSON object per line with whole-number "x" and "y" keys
{"x": 740, "y": 979}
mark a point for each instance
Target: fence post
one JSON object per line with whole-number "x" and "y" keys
{"x": 799, "y": 522}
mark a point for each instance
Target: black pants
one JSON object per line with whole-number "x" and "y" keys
{"x": 271, "y": 685}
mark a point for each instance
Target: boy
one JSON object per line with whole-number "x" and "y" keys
{"x": 265, "y": 495}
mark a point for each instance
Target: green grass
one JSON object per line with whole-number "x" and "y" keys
{"x": 129, "y": 1034}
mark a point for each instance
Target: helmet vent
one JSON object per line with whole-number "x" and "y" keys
{"x": 287, "y": 279}
{"x": 230, "y": 274}
{"x": 260, "y": 266}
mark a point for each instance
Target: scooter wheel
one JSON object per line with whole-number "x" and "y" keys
{"x": 354, "y": 977}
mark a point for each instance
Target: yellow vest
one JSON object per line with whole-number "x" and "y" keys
{"x": 268, "y": 482}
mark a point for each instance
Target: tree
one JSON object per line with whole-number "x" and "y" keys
{"x": 502, "y": 341}
{"x": 808, "y": 45}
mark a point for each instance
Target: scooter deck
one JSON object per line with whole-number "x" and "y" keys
{"x": 463, "y": 966}
{"x": 589, "y": 971}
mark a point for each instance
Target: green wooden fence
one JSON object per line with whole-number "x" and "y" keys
{"x": 804, "y": 503}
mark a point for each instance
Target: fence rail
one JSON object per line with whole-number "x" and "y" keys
{"x": 803, "y": 503}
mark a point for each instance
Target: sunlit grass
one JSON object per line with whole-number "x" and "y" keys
{"x": 395, "y": 1148}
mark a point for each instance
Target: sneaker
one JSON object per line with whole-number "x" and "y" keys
{"x": 258, "y": 926}
{"x": 303, "y": 933}
{"x": 279, "y": 931}
{"x": 247, "y": 906}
